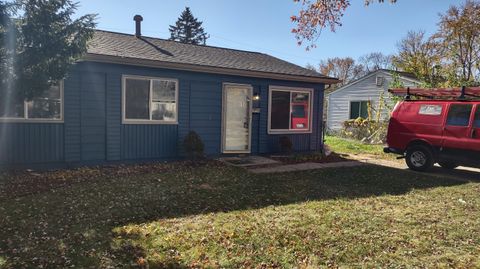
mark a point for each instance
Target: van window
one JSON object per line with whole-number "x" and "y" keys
{"x": 459, "y": 115}
{"x": 476, "y": 120}
{"x": 433, "y": 110}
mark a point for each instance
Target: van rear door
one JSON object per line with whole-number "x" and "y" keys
{"x": 457, "y": 129}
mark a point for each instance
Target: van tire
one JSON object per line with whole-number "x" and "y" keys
{"x": 448, "y": 165}
{"x": 419, "y": 158}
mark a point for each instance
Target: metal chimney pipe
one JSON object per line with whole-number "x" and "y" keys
{"x": 138, "y": 25}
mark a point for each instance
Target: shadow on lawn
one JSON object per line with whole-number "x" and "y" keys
{"x": 462, "y": 173}
{"x": 73, "y": 225}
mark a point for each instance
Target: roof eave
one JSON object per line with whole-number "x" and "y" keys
{"x": 204, "y": 69}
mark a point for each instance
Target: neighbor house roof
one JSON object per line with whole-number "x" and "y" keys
{"x": 401, "y": 74}
{"x": 154, "y": 52}
{"x": 404, "y": 75}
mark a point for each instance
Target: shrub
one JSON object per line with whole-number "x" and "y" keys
{"x": 286, "y": 145}
{"x": 372, "y": 130}
{"x": 193, "y": 146}
{"x": 367, "y": 131}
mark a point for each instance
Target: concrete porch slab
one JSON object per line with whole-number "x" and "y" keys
{"x": 247, "y": 161}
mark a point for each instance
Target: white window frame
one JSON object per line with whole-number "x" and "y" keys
{"x": 147, "y": 121}
{"x": 26, "y": 119}
{"x": 310, "y": 110}
{"x": 360, "y": 107}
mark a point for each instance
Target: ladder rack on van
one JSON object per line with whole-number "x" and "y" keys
{"x": 438, "y": 93}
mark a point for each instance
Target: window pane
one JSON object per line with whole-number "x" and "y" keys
{"x": 47, "y": 106}
{"x": 300, "y": 108}
{"x": 163, "y": 111}
{"x": 11, "y": 108}
{"x": 137, "y": 98}
{"x": 476, "y": 121}
{"x": 354, "y": 110}
{"x": 280, "y": 110}
{"x": 364, "y": 109}
{"x": 44, "y": 109}
{"x": 164, "y": 90}
{"x": 459, "y": 115}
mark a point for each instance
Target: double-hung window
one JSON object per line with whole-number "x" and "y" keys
{"x": 150, "y": 100}
{"x": 290, "y": 110}
{"x": 48, "y": 106}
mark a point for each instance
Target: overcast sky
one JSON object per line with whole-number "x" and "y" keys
{"x": 264, "y": 25}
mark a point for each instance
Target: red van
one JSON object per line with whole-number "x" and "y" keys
{"x": 426, "y": 132}
{"x": 300, "y": 115}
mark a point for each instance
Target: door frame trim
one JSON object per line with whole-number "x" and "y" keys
{"x": 249, "y": 87}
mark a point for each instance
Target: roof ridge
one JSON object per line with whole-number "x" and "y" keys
{"x": 178, "y": 42}
{"x": 395, "y": 71}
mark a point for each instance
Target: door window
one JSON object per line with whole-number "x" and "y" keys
{"x": 459, "y": 115}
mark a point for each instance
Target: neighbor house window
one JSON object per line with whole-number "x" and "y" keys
{"x": 358, "y": 109}
{"x": 45, "y": 107}
{"x": 290, "y": 110}
{"x": 150, "y": 100}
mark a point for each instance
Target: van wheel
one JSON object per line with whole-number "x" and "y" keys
{"x": 419, "y": 158}
{"x": 448, "y": 165}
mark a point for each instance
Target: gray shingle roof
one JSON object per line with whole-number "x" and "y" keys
{"x": 402, "y": 73}
{"x": 106, "y": 43}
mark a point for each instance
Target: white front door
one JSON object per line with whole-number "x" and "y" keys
{"x": 236, "y": 118}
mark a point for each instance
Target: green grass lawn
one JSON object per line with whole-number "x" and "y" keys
{"x": 349, "y": 146}
{"x": 176, "y": 216}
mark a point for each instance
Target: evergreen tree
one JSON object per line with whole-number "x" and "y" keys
{"x": 188, "y": 29}
{"x": 39, "y": 42}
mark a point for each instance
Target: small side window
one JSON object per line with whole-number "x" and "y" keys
{"x": 432, "y": 110}
{"x": 459, "y": 115}
{"x": 358, "y": 109}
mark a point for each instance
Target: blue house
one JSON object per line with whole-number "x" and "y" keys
{"x": 134, "y": 98}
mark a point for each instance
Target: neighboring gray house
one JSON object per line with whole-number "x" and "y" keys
{"x": 351, "y": 100}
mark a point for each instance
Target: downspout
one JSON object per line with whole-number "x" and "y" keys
{"x": 324, "y": 121}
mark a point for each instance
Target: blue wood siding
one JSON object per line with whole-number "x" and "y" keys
{"x": 93, "y": 114}
{"x": 206, "y": 114}
{"x": 72, "y": 116}
{"x": 114, "y": 117}
{"x": 149, "y": 141}
{"x": 93, "y": 133}
{"x": 183, "y": 113}
{"x": 31, "y": 143}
